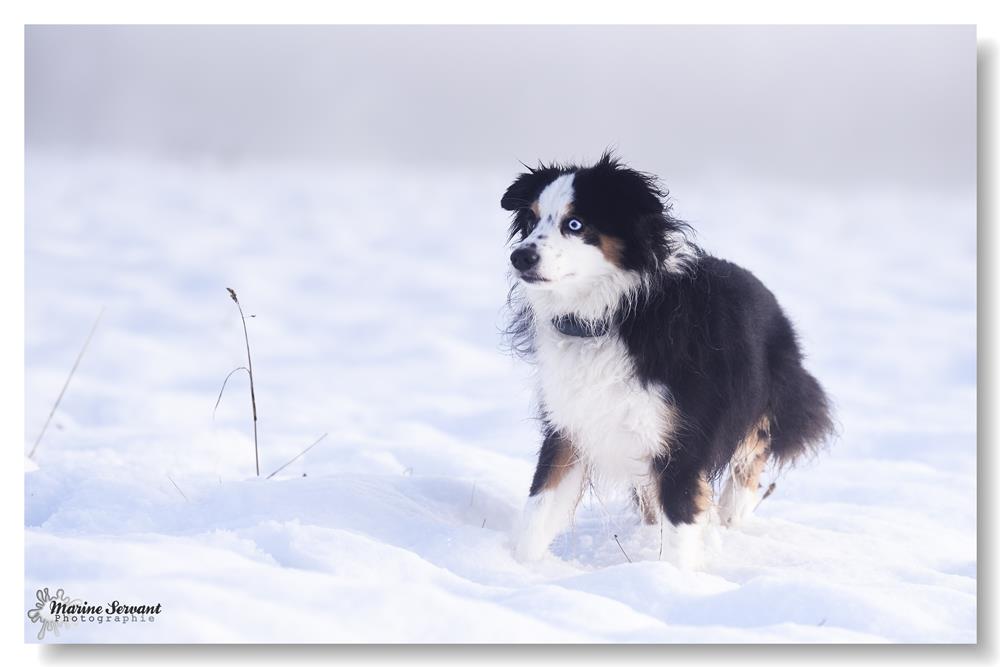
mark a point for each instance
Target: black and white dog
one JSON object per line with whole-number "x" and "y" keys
{"x": 660, "y": 367}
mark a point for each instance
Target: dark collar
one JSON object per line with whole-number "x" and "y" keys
{"x": 571, "y": 325}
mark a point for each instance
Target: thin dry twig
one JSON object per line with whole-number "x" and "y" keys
{"x": 770, "y": 490}
{"x": 253, "y": 396}
{"x": 183, "y": 495}
{"x": 223, "y": 388}
{"x": 295, "y": 458}
{"x": 622, "y": 548}
{"x": 76, "y": 363}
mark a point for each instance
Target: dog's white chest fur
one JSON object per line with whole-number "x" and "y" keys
{"x": 589, "y": 392}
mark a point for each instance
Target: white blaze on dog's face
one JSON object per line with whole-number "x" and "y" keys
{"x": 561, "y": 251}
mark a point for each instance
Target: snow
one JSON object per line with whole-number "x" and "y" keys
{"x": 378, "y": 295}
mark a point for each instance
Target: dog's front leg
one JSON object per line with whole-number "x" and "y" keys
{"x": 685, "y": 498}
{"x": 555, "y": 492}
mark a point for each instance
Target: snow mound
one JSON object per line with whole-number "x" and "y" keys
{"x": 377, "y": 301}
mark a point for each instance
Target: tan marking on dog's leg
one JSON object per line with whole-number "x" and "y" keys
{"x": 703, "y": 497}
{"x": 740, "y": 493}
{"x": 550, "y": 507}
{"x": 647, "y": 501}
{"x": 566, "y": 457}
{"x": 755, "y": 449}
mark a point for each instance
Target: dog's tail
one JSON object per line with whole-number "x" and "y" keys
{"x": 799, "y": 410}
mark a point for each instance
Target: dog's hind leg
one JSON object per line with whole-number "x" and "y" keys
{"x": 555, "y": 492}
{"x": 739, "y": 494}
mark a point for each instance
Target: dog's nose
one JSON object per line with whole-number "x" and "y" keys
{"x": 524, "y": 258}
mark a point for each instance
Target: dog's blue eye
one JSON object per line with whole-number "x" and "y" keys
{"x": 574, "y": 225}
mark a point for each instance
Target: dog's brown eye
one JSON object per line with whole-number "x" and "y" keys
{"x": 574, "y": 225}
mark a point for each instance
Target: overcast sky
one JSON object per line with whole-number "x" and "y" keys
{"x": 837, "y": 105}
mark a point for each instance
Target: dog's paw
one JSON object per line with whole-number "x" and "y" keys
{"x": 691, "y": 547}
{"x": 529, "y": 545}
{"x": 737, "y": 506}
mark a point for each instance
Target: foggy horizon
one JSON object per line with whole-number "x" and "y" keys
{"x": 843, "y": 105}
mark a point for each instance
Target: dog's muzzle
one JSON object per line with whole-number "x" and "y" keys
{"x": 525, "y": 258}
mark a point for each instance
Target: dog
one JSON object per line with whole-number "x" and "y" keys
{"x": 659, "y": 366}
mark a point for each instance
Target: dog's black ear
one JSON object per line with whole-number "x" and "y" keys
{"x": 526, "y": 188}
{"x": 518, "y": 194}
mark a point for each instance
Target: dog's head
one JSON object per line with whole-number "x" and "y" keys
{"x": 580, "y": 228}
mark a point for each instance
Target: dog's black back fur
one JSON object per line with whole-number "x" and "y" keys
{"x": 717, "y": 338}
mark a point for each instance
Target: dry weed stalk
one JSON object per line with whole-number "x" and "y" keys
{"x": 249, "y": 370}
